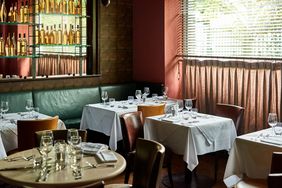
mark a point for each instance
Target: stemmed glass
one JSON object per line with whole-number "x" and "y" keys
{"x": 180, "y": 105}
{"x": 188, "y": 104}
{"x": 146, "y": 91}
{"x": 272, "y": 120}
{"x": 104, "y": 96}
{"x": 29, "y": 106}
{"x": 138, "y": 95}
{"x": 71, "y": 133}
{"x": 165, "y": 91}
{"x": 4, "y": 108}
{"x": 46, "y": 145}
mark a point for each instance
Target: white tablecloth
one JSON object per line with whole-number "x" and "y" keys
{"x": 251, "y": 156}
{"x": 8, "y": 130}
{"x": 105, "y": 119}
{"x": 192, "y": 137}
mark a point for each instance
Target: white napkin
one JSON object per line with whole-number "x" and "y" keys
{"x": 92, "y": 148}
{"x": 106, "y": 156}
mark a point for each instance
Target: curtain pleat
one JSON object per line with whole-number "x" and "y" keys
{"x": 254, "y": 85}
{"x": 59, "y": 65}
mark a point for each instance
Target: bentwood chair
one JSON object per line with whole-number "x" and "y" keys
{"x": 274, "y": 178}
{"x": 27, "y": 129}
{"x": 147, "y": 165}
{"x": 59, "y": 134}
{"x": 151, "y": 110}
{"x": 233, "y": 112}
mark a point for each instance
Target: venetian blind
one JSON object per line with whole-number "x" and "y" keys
{"x": 232, "y": 28}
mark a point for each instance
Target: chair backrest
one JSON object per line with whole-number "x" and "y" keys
{"x": 233, "y": 112}
{"x": 27, "y": 128}
{"x": 59, "y": 134}
{"x": 151, "y": 110}
{"x": 147, "y": 163}
{"x": 132, "y": 128}
{"x": 274, "y": 179}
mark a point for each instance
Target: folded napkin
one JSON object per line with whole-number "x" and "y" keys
{"x": 271, "y": 140}
{"x": 106, "y": 156}
{"x": 92, "y": 148}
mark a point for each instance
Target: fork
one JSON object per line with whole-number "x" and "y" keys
{"x": 18, "y": 158}
{"x": 99, "y": 165}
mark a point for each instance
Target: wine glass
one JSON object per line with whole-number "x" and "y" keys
{"x": 272, "y": 120}
{"x": 188, "y": 104}
{"x": 71, "y": 133}
{"x": 29, "y": 106}
{"x": 146, "y": 91}
{"x": 138, "y": 95}
{"x": 4, "y": 107}
{"x": 180, "y": 105}
{"x": 165, "y": 91}
{"x": 104, "y": 96}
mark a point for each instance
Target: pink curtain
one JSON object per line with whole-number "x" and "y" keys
{"x": 59, "y": 65}
{"x": 254, "y": 85}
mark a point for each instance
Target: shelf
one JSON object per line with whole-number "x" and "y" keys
{"x": 58, "y": 14}
{"x": 20, "y": 56}
{"x": 15, "y": 23}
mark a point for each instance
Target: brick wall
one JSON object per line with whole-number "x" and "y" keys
{"x": 115, "y": 54}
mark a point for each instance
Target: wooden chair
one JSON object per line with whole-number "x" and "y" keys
{"x": 150, "y": 110}
{"x": 27, "y": 129}
{"x": 274, "y": 179}
{"x": 59, "y": 134}
{"x": 147, "y": 165}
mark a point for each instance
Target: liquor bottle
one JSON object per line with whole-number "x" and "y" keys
{"x": 42, "y": 35}
{"x": 13, "y": 45}
{"x": 10, "y": 14}
{"x": 65, "y": 6}
{"x": 3, "y": 15}
{"x": 19, "y": 45}
{"x": 51, "y": 35}
{"x": 77, "y": 35}
{"x": 37, "y": 6}
{"x": 78, "y": 7}
{"x": 71, "y": 35}
{"x": 2, "y": 45}
{"x": 7, "y": 45}
{"x": 55, "y": 35}
{"x": 65, "y": 36}
{"x": 52, "y": 6}
{"x": 15, "y": 13}
{"x": 70, "y": 7}
{"x": 24, "y": 46}
{"x": 47, "y": 4}
{"x": 26, "y": 12}
{"x": 37, "y": 35}
{"x": 59, "y": 35}
{"x": 22, "y": 13}
{"x": 46, "y": 35}
{"x": 42, "y": 6}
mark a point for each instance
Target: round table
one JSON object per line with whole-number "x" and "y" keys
{"x": 63, "y": 178}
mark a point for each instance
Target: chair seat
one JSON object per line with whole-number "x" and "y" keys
{"x": 118, "y": 186}
{"x": 251, "y": 183}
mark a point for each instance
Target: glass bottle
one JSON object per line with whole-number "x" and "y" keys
{"x": 65, "y": 6}
{"x": 26, "y": 12}
{"x": 77, "y": 35}
{"x": 10, "y": 14}
{"x": 65, "y": 36}
{"x": 46, "y": 35}
{"x": 78, "y": 7}
{"x": 51, "y": 35}
{"x": 13, "y": 45}
{"x": 42, "y": 35}
{"x": 37, "y": 35}
{"x": 59, "y": 35}
{"x": 37, "y": 6}
{"x": 52, "y": 6}
{"x": 70, "y": 7}
{"x": 15, "y": 13}
{"x": 2, "y": 45}
{"x": 19, "y": 45}
{"x": 3, "y": 12}
{"x": 42, "y": 6}
{"x": 55, "y": 35}
{"x": 22, "y": 13}
{"x": 71, "y": 35}
{"x": 47, "y": 4}
{"x": 24, "y": 46}
{"x": 7, "y": 45}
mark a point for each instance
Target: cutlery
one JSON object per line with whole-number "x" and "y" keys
{"x": 77, "y": 173}
{"x": 18, "y": 158}
{"x": 43, "y": 175}
{"x": 99, "y": 165}
{"x": 17, "y": 168}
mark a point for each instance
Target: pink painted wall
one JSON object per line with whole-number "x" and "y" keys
{"x": 155, "y": 43}
{"x": 148, "y": 40}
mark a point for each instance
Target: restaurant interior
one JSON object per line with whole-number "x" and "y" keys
{"x": 146, "y": 93}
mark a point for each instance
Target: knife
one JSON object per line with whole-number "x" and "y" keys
{"x": 16, "y": 168}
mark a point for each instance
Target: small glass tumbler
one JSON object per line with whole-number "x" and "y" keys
{"x": 60, "y": 154}
{"x": 112, "y": 102}
{"x": 130, "y": 99}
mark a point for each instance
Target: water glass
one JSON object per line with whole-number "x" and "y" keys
{"x": 278, "y": 128}
{"x": 71, "y": 133}
{"x": 104, "y": 96}
{"x": 188, "y": 104}
{"x": 4, "y": 107}
{"x": 272, "y": 119}
{"x": 112, "y": 102}
{"x": 130, "y": 99}
{"x": 138, "y": 95}
{"x": 194, "y": 112}
{"x": 60, "y": 154}
{"x": 155, "y": 97}
{"x": 146, "y": 91}
{"x": 46, "y": 146}
{"x": 180, "y": 105}
{"x": 165, "y": 92}
{"x": 29, "y": 106}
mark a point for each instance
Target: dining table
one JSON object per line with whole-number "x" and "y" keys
{"x": 105, "y": 118}
{"x": 193, "y": 135}
{"x": 8, "y": 129}
{"x": 15, "y": 170}
{"x": 251, "y": 156}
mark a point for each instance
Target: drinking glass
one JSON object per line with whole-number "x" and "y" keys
{"x": 155, "y": 97}
{"x": 112, "y": 102}
{"x": 46, "y": 145}
{"x": 29, "y": 106}
{"x": 180, "y": 105}
{"x": 138, "y": 95}
{"x": 165, "y": 92}
{"x": 75, "y": 152}
{"x": 49, "y": 133}
{"x": 71, "y": 133}
{"x": 60, "y": 154}
{"x": 188, "y": 104}
{"x": 146, "y": 91}
{"x": 278, "y": 128}
{"x": 194, "y": 112}
{"x": 130, "y": 99}
{"x": 272, "y": 120}
{"x": 104, "y": 96}
{"x": 4, "y": 107}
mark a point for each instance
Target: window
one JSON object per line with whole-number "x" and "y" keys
{"x": 232, "y": 28}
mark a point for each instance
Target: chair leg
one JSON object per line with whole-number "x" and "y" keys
{"x": 169, "y": 172}
{"x": 127, "y": 173}
{"x": 215, "y": 166}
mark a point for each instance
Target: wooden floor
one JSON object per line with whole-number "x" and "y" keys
{"x": 203, "y": 179}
